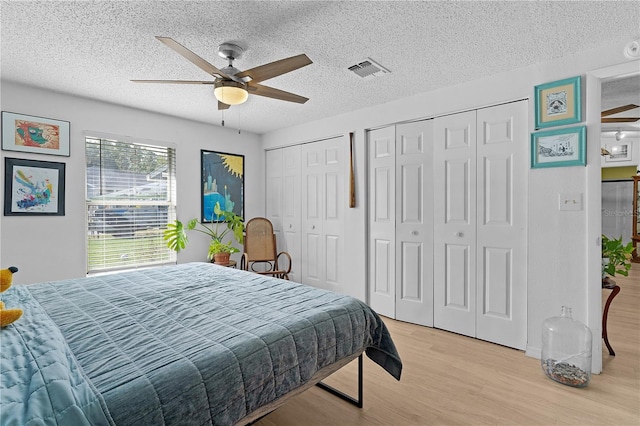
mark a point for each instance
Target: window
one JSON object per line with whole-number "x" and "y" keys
{"x": 130, "y": 199}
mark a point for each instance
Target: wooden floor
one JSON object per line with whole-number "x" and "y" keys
{"x": 451, "y": 379}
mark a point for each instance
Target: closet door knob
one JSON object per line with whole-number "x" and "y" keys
{"x": 313, "y": 227}
{"x": 459, "y": 234}
{"x": 290, "y": 226}
{"x": 414, "y": 232}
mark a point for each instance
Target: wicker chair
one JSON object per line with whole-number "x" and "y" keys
{"x": 260, "y": 253}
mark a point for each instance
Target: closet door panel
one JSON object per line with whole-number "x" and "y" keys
{"x": 323, "y": 214}
{"x": 274, "y": 189}
{"x": 291, "y": 210}
{"x": 496, "y": 282}
{"x": 312, "y": 204}
{"x": 334, "y": 198}
{"x": 382, "y": 208}
{"x": 414, "y": 222}
{"x": 411, "y": 270}
{"x": 457, "y": 280}
{"x": 454, "y": 223}
{"x": 503, "y": 164}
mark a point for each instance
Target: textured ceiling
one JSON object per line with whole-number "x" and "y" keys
{"x": 93, "y": 48}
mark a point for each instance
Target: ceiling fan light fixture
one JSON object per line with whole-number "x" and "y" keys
{"x": 230, "y": 92}
{"x": 619, "y": 135}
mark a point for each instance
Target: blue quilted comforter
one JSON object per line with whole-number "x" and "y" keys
{"x": 190, "y": 344}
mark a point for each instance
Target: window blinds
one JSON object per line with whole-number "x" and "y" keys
{"x": 130, "y": 198}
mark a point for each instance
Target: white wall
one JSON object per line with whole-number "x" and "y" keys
{"x": 48, "y": 248}
{"x": 559, "y": 242}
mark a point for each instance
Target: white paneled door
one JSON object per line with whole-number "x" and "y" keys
{"x": 502, "y": 159}
{"x": 480, "y": 160}
{"x": 323, "y": 203}
{"x": 401, "y": 222}
{"x": 291, "y": 211}
{"x": 382, "y": 221}
{"x": 414, "y": 222}
{"x": 454, "y": 168}
{"x": 274, "y": 190}
{"x": 283, "y": 203}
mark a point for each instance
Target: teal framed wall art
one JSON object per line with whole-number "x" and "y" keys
{"x": 559, "y": 147}
{"x": 558, "y": 103}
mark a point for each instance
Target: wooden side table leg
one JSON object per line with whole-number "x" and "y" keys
{"x": 614, "y": 291}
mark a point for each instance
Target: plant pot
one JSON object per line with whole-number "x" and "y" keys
{"x": 221, "y": 258}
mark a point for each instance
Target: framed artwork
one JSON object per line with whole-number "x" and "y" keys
{"x": 222, "y": 180}
{"x": 618, "y": 151}
{"x": 559, "y": 147}
{"x": 33, "y": 188}
{"x": 26, "y": 133}
{"x": 558, "y": 103}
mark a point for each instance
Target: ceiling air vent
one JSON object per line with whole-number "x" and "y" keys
{"x": 369, "y": 69}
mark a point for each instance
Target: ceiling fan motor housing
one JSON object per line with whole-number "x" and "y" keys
{"x": 230, "y": 51}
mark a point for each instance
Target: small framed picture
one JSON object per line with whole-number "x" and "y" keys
{"x": 33, "y": 188}
{"x": 558, "y": 103}
{"x": 619, "y": 151}
{"x": 559, "y": 147}
{"x": 38, "y": 135}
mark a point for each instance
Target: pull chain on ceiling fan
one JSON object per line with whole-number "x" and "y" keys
{"x": 232, "y": 86}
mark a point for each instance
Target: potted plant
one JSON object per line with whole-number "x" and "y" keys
{"x": 616, "y": 257}
{"x": 225, "y": 222}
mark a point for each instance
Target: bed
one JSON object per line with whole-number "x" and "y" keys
{"x": 193, "y": 343}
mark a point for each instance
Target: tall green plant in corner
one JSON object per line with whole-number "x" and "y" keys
{"x": 225, "y": 222}
{"x": 616, "y": 257}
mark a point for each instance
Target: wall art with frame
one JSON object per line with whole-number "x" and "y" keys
{"x": 619, "y": 151}
{"x": 38, "y": 135}
{"x": 222, "y": 180}
{"x": 33, "y": 188}
{"x": 558, "y": 103}
{"x": 559, "y": 147}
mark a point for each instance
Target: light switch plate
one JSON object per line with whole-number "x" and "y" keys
{"x": 570, "y": 201}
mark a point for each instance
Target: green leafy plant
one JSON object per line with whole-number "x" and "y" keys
{"x": 618, "y": 256}
{"x": 219, "y": 247}
{"x": 225, "y": 222}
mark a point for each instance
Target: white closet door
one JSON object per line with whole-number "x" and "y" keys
{"x": 414, "y": 223}
{"x": 274, "y": 190}
{"x": 291, "y": 240}
{"x": 382, "y": 218}
{"x": 502, "y": 155}
{"x": 480, "y": 223}
{"x": 323, "y": 213}
{"x": 454, "y": 152}
{"x": 312, "y": 247}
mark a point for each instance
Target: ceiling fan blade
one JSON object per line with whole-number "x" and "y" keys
{"x": 222, "y": 106}
{"x": 274, "y": 69}
{"x": 619, "y": 109}
{"x": 620, "y": 119}
{"x": 270, "y": 92}
{"x": 174, "y": 81}
{"x": 192, "y": 57}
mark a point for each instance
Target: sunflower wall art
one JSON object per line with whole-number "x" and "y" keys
{"x": 222, "y": 180}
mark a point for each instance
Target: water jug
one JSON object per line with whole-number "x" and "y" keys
{"x": 566, "y": 350}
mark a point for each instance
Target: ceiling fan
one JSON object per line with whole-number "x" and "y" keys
{"x": 606, "y": 119}
{"x": 232, "y": 86}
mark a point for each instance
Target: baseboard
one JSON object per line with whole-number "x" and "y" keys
{"x": 533, "y": 352}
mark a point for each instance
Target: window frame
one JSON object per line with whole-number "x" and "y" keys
{"x": 127, "y": 232}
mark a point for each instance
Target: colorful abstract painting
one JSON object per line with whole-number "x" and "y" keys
{"x": 222, "y": 181}
{"x": 33, "y": 187}
{"x": 40, "y": 135}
